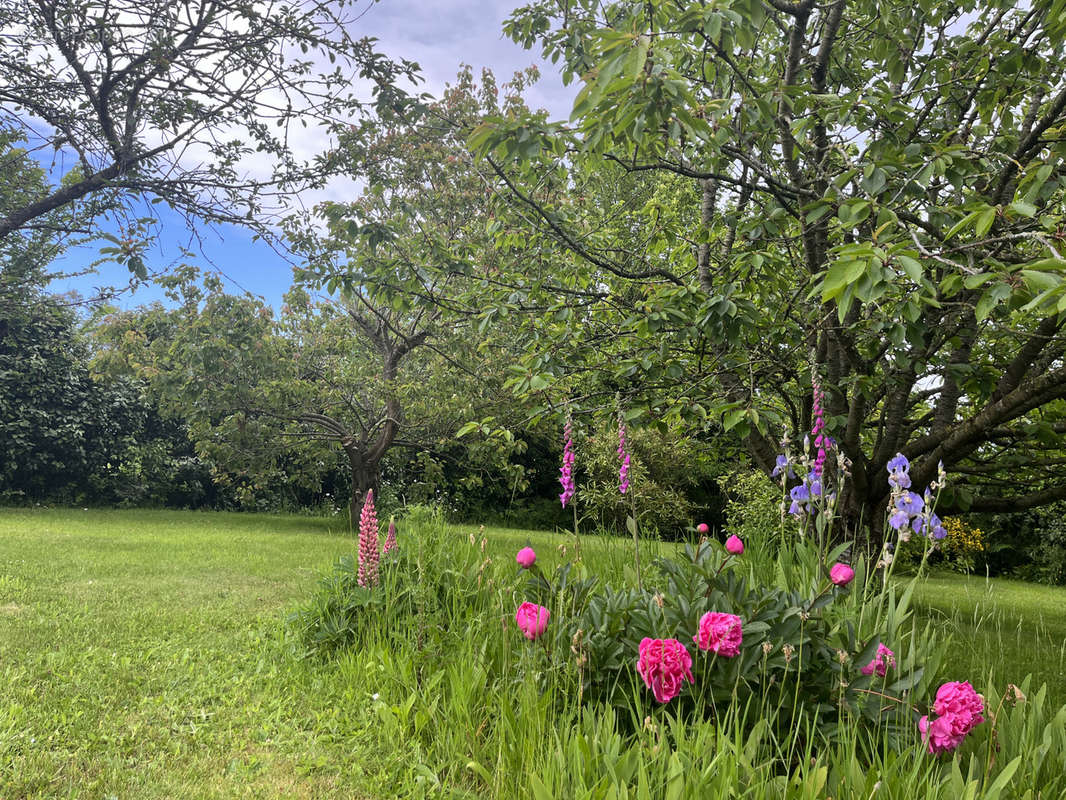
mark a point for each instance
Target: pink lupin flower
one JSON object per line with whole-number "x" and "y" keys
{"x": 390, "y": 539}
{"x": 623, "y": 456}
{"x": 367, "y": 576}
{"x": 567, "y": 470}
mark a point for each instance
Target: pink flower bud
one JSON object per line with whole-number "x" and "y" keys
{"x": 390, "y": 539}
{"x": 841, "y": 574}
{"x": 531, "y": 619}
{"x": 526, "y": 558}
{"x": 703, "y": 528}
{"x": 734, "y": 545}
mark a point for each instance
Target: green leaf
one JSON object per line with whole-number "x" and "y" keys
{"x": 984, "y": 222}
{"x": 911, "y": 266}
{"x": 1040, "y": 281}
{"x": 468, "y": 428}
{"x": 1001, "y": 781}
{"x": 962, "y": 223}
{"x": 1022, "y": 208}
{"x": 841, "y": 274}
{"x": 538, "y": 383}
{"x": 733, "y": 417}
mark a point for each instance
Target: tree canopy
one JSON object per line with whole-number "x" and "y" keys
{"x": 192, "y": 104}
{"x": 750, "y": 195}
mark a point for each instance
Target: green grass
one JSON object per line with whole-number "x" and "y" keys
{"x": 144, "y": 655}
{"x": 1000, "y": 628}
{"x": 141, "y": 654}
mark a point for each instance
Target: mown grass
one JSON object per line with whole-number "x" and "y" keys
{"x": 144, "y": 654}
{"x": 1001, "y": 629}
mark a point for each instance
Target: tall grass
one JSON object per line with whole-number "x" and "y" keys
{"x": 488, "y": 715}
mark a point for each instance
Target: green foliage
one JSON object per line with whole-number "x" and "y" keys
{"x": 666, "y": 475}
{"x": 1031, "y": 545}
{"x": 747, "y": 192}
{"x": 71, "y": 434}
{"x": 800, "y": 658}
{"x": 753, "y": 512}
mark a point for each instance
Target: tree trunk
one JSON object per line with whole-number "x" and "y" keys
{"x": 364, "y": 477}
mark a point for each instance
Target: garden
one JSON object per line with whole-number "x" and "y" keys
{"x": 680, "y": 417}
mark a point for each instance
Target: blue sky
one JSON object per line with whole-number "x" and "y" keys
{"x": 455, "y": 32}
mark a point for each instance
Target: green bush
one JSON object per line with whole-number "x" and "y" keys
{"x": 667, "y": 472}
{"x": 1030, "y": 545}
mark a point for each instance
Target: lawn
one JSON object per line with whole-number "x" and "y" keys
{"x": 141, "y": 654}
{"x": 144, "y": 655}
{"x": 1009, "y": 628}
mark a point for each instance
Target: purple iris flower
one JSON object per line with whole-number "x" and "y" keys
{"x": 899, "y": 472}
{"x": 783, "y": 467}
{"x": 898, "y": 519}
{"x": 899, "y": 464}
{"x": 800, "y": 496}
{"x": 935, "y": 526}
{"x": 910, "y": 503}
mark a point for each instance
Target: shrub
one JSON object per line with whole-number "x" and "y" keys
{"x": 800, "y": 657}
{"x": 665, "y": 473}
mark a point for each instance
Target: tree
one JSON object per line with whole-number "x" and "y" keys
{"x": 26, "y": 255}
{"x": 271, "y": 398}
{"x": 69, "y": 434}
{"x": 870, "y": 192}
{"x": 177, "y": 102}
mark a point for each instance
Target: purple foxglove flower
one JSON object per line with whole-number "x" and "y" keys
{"x": 820, "y": 439}
{"x": 623, "y": 455}
{"x": 567, "y": 471}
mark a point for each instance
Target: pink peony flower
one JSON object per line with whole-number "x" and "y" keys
{"x": 959, "y": 708}
{"x": 939, "y": 735}
{"x": 841, "y": 574}
{"x": 526, "y": 558}
{"x": 664, "y": 664}
{"x": 703, "y": 528}
{"x": 367, "y": 576}
{"x": 734, "y": 545}
{"x": 880, "y": 663}
{"x": 390, "y": 539}
{"x": 532, "y": 619}
{"x": 720, "y": 633}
